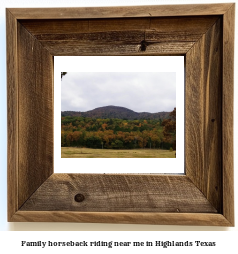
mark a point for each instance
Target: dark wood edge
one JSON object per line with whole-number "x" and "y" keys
{"x": 192, "y": 219}
{"x": 12, "y": 115}
{"x": 120, "y": 11}
{"x": 227, "y": 114}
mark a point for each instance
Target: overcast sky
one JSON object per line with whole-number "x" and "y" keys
{"x": 142, "y": 92}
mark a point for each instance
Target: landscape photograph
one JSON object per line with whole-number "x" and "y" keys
{"x": 118, "y": 115}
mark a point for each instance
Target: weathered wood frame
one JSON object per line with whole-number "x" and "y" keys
{"x": 204, "y": 34}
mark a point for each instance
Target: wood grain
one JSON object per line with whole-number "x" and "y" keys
{"x": 203, "y": 115}
{"x": 179, "y": 25}
{"x": 192, "y": 219}
{"x": 12, "y": 114}
{"x": 204, "y": 196}
{"x": 35, "y": 133}
{"x": 116, "y": 49}
{"x": 227, "y": 113}
{"x": 141, "y": 193}
{"x": 173, "y": 36}
{"x": 121, "y": 11}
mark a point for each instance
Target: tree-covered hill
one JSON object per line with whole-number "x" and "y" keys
{"x": 115, "y": 133}
{"x": 117, "y": 112}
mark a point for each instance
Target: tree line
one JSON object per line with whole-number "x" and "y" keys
{"x": 113, "y": 133}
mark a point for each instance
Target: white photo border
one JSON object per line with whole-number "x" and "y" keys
{"x": 120, "y": 64}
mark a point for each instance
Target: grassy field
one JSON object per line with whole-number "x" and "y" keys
{"x": 74, "y": 152}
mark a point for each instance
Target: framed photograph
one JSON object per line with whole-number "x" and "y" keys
{"x": 136, "y": 37}
{"x": 99, "y": 127}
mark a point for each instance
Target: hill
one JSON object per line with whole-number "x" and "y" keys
{"x": 116, "y": 112}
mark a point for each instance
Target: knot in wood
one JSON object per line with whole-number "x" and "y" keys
{"x": 79, "y": 198}
{"x": 143, "y": 45}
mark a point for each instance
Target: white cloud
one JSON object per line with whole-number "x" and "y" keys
{"x": 141, "y": 92}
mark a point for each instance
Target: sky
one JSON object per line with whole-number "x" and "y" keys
{"x": 139, "y": 91}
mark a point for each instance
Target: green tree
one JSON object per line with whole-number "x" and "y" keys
{"x": 117, "y": 144}
{"x": 169, "y": 130}
{"x": 63, "y": 74}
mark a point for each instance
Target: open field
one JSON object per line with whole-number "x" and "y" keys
{"x": 74, "y": 152}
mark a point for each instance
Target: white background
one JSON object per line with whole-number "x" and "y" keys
{"x": 11, "y": 240}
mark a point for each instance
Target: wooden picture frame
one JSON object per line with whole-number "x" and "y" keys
{"x": 204, "y": 34}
